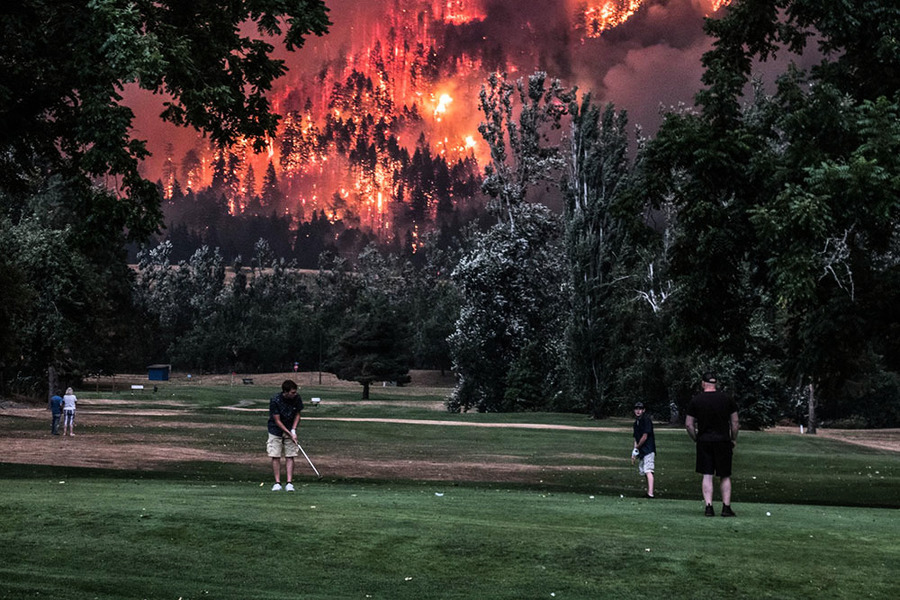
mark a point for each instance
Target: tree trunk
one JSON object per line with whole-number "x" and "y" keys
{"x": 674, "y": 413}
{"x": 52, "y": 382}
{"x": 365, "y": 391}
{"x": 811, "y": 423}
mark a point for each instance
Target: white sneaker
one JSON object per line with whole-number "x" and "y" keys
{"x": 276, "y": 487}
{"x": 289, "y": 487}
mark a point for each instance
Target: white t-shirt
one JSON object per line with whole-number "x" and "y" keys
{"x": 69, "y": 402}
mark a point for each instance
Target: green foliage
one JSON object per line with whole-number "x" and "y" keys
{"x": 71, "y": 309}
{"x": 511, "y": 283}
{"x": 599, "y": 250}
{"x": 70, "y": 188}
{"x": 373, "y": 347}
{"x": 61, "y": 91}
{"x": 786, "y": 207}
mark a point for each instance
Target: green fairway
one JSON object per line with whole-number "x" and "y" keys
{"x": 433, "y": 506}
{"x": 133, "y": 538}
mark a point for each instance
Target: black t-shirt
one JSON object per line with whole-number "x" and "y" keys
{"x": 712, "y": 411}
{"x": 286, "y": 409}
{"x": 642, "y": 426}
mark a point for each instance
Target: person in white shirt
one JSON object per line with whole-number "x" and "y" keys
{"x": 69, "y": 400}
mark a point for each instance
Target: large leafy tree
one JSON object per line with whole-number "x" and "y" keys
{"x": 373, "y": 332}
{"x": 66, "y": 138}
{"x": 508, "y": 343}
{"x": 64, "y": 65}
{"x": 76, "y": 291}
{"x": 508, "y": 346}
{"x": 788, "y": 204}
{"x": 597, "y": 245}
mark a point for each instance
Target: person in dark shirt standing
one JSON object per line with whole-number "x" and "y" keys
{"x": 284, "y": 418}
{"x": 712, "y": 422}
{"x": 644, "y": 445}
{"x": 56, "y": 409}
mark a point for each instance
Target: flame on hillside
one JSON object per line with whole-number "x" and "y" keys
{"x": 383, "y": 134}
{"x": 593, "y": 18}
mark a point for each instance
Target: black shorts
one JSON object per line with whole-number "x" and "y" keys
{"x": 714, "y": 458}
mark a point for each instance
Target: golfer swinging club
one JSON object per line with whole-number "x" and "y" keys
{"x": 284, "y": 418}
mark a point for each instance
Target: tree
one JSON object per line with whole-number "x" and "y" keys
{"x": 511, "y": 322}
{"x": 788, "y": 205}
{"x": 510, "y": 279}
{"x": 597, "y": 247}
{"x": 61, "y": 97}
{"x": 372, "y": 333}
{"x": 66, "y": 136}
{"x": 373, "y": 347}
{"x": 77, "y": 286}
{"x": 271, "y": 192}
{"x": 518, "y": 135}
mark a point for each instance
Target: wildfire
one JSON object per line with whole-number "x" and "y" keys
{"x": 594, "y": 19}
{"x": 598, "y": 18}
{"x": 459, "y": 12}
{"x": 441, "y": 109}
{"x": 375, "y": 138}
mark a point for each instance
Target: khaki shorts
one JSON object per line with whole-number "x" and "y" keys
{"x": 647, "y": 464}
{"x": 281, "y": 445}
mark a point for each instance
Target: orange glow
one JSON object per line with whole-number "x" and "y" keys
{"x": 441, "y": 109}
{"x": 598, "y": 17}
{"x": 353, "y": 134}
{"x": 459, "y": 12}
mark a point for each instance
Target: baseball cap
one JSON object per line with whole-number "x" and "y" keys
{"x": 639, "y": 405}
{"x": 709, "y": 377}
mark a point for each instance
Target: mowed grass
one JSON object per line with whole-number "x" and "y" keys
{"x": 112, "y": 538}
{"x": 817, "y": 518}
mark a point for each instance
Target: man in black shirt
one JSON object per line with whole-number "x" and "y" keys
{"x": 284, "y": 417}
{"x": 644, "y": 445}
{"x": 712, "y": 422}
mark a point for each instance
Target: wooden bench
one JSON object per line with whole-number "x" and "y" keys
{"x": 247, "y": 380}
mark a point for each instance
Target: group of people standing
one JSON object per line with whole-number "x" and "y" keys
{"x": 63, "y": 409}
{"x": 712, "y": 423}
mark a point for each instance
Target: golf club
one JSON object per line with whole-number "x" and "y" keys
{"x": 309, "y": 461}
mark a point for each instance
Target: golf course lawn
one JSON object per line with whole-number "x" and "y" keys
{"x": 409, "y": 510}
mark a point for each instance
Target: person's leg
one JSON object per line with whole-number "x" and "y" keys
{"x": 289, "y": 467}
{"x": 276, "y": 468}
{"x": 650, "y": 483}
{"x": 725, "y": 486}
{"x": 707, "y": 488}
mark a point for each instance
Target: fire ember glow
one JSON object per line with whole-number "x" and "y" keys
{"x": 380, "y": 129}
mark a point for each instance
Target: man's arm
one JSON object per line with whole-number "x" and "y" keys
{"x": 277, "y": 418}
{"x": 641, "y": 441}
{"x": 735, "y": 426}
{"x": 294, "y": 426}
{"x": 690, "y": 424}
